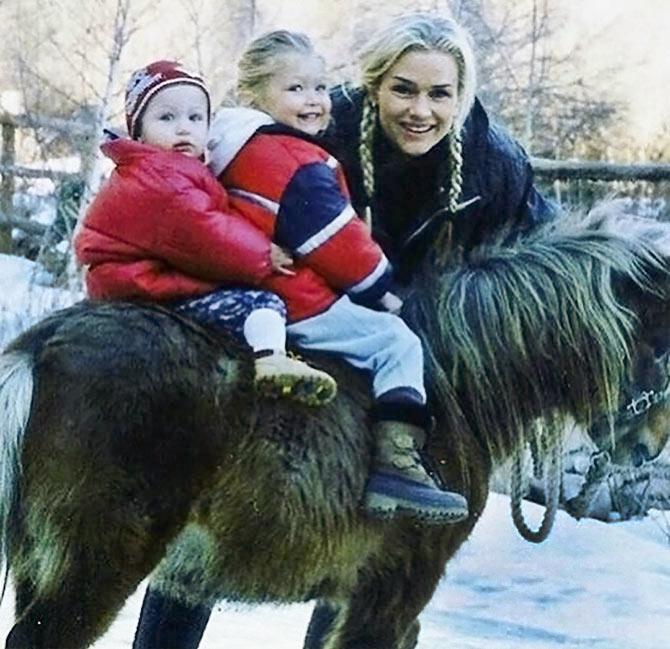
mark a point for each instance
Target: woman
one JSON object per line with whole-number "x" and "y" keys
{"x": 420, "y": 152}
{"x": 423, "y": 160}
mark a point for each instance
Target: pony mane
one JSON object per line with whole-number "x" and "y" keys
{"x": 521, "y": 336}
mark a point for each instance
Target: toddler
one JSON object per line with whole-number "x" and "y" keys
{"x": 266, "y": 155}
{"x": 161, "y": 230}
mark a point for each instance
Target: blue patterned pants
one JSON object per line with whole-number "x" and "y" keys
{"x": 228, "y": 309}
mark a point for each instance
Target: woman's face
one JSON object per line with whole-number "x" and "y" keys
{"x": 418, "y": 100}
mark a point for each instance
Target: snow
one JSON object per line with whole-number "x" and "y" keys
{"x": 25, "y": 295}
{"x": 591, "y": 584}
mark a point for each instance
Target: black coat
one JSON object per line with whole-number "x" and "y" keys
{"x": 497, "y": 179}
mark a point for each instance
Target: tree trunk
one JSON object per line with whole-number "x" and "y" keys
{"x": 8, "y": 159}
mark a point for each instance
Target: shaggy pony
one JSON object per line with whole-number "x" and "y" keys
{"x": 131, "y": 440}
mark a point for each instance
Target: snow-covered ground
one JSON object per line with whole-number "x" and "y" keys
{"x": 589, "y": 585}
{"x": 25, "y": 295}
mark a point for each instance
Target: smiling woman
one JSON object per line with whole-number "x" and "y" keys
{"x": 418, "y": 100}
{"x": 419, "y": 151}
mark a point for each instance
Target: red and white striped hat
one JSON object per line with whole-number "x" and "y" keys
{"x": 147, "y": 81}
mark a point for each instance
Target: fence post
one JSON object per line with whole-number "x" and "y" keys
{"x": 7, "y": 158}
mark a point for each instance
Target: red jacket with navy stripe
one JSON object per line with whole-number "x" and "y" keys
{"x": 295, "y": 192}
{"x": 161, "y": 229}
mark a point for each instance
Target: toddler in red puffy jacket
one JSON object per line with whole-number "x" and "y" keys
{"x": 161, "y": 229}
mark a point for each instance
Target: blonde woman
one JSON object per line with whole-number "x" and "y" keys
{"x": 419, "y": 150}
{"x": 433, "y": 175}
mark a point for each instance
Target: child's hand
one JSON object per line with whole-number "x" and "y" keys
{"x": 280, "y": 260}
{"x": 391, "y": 303}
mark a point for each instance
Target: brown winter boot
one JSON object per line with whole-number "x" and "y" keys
{"x": 399, "y": 483}
{"x": 280, "y": 376}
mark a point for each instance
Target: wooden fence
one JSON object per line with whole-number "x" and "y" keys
{"x": 545, "y": 169}
{"x": 10, "y": 170}
{"x": 593, "y": 170}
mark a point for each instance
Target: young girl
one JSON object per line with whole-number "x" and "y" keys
{"x": 266, "y": 156}
{"x": 161, "y": 230}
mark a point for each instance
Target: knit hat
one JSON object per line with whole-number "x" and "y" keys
{"x": 147, "y": 81}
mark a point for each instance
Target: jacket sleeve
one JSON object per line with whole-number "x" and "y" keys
{"x": 202, "y": 237}
{"x": 318, "y": 224}
{"x": 524, "y": 203}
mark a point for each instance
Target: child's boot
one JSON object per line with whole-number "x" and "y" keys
{"x": 399, "y": 483}
{"x": 280, "y": 376}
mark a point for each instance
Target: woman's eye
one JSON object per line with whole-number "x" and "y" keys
{"x": 402, "y": 89}
{"x": 296, "y": 87}
{"x": 440, "y": 93}
{"x": 197, "y": 117}
{"x": 166, "y": 117}
{"x": 321, "y": 87}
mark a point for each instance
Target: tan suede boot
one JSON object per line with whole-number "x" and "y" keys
{"x": 399, "y": 483}
{"x": 280, "y": 376}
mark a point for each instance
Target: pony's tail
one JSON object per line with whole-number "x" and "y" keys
{"x": 16, "y": 393}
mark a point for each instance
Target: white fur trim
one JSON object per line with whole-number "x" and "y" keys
{"x": 231, "y": 129}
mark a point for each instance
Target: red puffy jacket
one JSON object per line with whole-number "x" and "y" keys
{"x": 161, "y": 229}
{"x": 295, "y": 192}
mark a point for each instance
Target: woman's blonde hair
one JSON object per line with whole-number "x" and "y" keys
{"x": 259, "y": 61}
{"x": 416, "y": 32}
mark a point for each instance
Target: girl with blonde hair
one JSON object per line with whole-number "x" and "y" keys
{"x": 302, "y": 203}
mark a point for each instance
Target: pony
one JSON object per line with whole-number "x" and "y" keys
{"x": 132, "y": 441}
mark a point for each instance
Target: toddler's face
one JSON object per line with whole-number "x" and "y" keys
{"x": 175, "y": 119}
{"x": 297, "y": 94}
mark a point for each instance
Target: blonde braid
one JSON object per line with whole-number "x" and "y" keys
{"x": 443, "y": 239}
{"x": 368, "y": 119}
{"x": 456, "y": 165}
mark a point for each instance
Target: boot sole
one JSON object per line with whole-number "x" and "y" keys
{"x": 388, "y": 495}
{"x": 387, "y": 508}
{"x": 308, "y": 391}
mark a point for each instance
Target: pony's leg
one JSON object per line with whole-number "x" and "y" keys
{"x": 323, "y": 619}
{"x": 74, "y": 606}
{"x": 321, "y": 622}
{"x": 167, "y": 622}
{"x": 23, "y": 595}
{"x": 382, "y": 613}
{"x": 78, "y": 611}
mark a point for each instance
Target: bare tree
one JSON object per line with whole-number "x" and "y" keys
{"x": 122, "y": 29}
{"x": 543, "y": 94}
{"x": 69, "y": 70}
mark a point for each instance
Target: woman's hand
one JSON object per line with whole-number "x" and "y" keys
{"x": 280, "y": 260}
{"x": 391, "y": 302}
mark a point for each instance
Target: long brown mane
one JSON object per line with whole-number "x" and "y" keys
{"x": 492, "y": 329}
